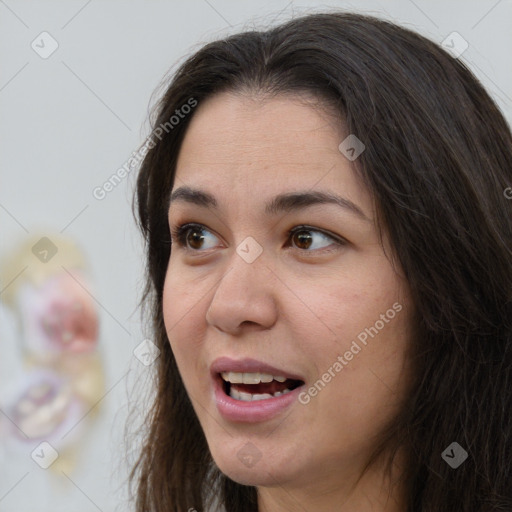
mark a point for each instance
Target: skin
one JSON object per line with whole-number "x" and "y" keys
{"x": 295, "y": 307}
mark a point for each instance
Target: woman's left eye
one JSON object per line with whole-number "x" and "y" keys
{"x": 190, "y": 236}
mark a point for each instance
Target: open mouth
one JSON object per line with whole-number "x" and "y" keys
{"x": 251, "y": 387}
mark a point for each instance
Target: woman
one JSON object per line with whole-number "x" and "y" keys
{"x": 329, "y": 277}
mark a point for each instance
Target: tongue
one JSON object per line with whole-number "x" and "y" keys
{"x": 264, "y": 387}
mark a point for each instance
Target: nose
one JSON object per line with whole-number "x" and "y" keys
{"x": 244, "y": 296}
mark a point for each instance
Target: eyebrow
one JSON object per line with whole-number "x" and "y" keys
{"x": 282, "y": 203}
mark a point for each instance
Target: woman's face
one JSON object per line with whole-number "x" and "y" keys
{"x": 248, "y": 305}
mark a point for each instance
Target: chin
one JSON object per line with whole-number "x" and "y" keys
{"x": 256, "y": 477}
{"x": 247, "y": 465}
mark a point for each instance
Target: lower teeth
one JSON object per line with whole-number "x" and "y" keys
{"x": 249, "y": 397}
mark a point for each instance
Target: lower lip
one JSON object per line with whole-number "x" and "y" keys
{"x": 250, "y": 412}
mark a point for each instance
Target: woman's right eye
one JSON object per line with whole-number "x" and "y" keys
{"x": 181, "y": 233}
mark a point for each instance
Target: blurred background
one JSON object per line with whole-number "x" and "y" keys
{"x": 77, "y": 80}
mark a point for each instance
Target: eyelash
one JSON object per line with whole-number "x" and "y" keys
{"x": 179, "y": 233}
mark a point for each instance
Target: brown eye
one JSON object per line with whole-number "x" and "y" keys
{"x": 195, "y": 239}
{"x": 190, "y": 237}
{"x": 304, "y": 238}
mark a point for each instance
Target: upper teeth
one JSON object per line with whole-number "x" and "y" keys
{"x": 250, "y": 378}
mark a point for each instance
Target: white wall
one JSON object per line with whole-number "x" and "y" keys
{"x": 69, "y": 121}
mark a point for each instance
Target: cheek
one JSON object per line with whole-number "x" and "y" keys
{"x": 184, "y": 322}
{"x": 369, "y": 317}
{"x": 178, "y": 302}
{"x": 362, "y": 397}
{"x": 357, "y": 299}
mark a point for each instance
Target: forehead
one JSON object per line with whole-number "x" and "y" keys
{"x": 235, "y": 127}
{"x": 254, "y": 147}
{"x": 227, "y": 117}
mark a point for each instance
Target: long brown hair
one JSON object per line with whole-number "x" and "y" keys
{"x": 438, "y": 159}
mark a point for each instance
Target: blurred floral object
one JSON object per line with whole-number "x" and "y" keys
{"x": 44, "y": 409}
{"x": 51, "y": 296}
{"x": 49, "y": 292}
{"x": 59, "y": 315}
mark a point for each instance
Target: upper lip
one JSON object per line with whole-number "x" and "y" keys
{"x": 248, "y": 365}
